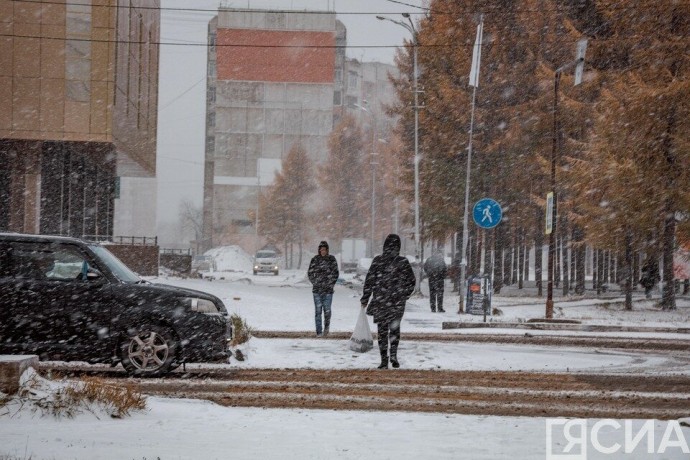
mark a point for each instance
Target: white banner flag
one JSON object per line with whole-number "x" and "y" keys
{"x": 477, "y": 55}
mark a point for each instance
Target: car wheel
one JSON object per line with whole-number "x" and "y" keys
{"x": 148, "y": 350}
{"x": 275, "y": 273}
{"x": 254, "y": 272}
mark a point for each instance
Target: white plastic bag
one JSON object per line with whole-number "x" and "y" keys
{"x": 361, "y": 340}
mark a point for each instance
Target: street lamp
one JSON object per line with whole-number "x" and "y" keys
{"x": 415, "y": 43}
{"x": 373, "y": 164}
{"x": 552, "y": 213}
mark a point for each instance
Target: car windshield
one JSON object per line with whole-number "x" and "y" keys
{"x": 119, "y": 269}
{"x": 265, "y": 255}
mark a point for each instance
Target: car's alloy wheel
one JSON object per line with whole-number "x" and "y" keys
{"x": 148, "y": 351}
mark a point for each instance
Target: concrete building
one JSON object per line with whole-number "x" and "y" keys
{"x": 367, "y": 92}
{"x": 270, "y": 85}
{"x": 78, "y": 111}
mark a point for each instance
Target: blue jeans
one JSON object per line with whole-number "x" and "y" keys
{"x": 322, "y": 302}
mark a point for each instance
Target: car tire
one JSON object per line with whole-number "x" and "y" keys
{"x": 275, "y": 273}
{"x": 254, "y": 272}
{"x": 148, "y": 350}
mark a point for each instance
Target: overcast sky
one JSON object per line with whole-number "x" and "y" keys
{"x": 181, "y": 101}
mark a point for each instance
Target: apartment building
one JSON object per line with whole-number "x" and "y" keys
{"x": 270, "y": 86}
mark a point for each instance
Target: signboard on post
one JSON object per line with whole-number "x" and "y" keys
{"x": 580, "y": 59}
{"x": 479, "y": 296}
{"x": 549, "y": 213}
{"x": 487, "y": 213}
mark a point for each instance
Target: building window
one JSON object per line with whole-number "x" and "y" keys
{"x": 211, "y": 119}
{"x": 337, "y": 98}
{"x": 211, "y": 94}
{"x": 212, "y": 43}
{"x": 351, "y": 101}
{"x": 338, "y": 75}
{"x": 210, "y": 144}
{"x": 242, "y": 223}
{"x": 353, "y": 80}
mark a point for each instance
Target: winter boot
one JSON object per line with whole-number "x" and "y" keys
{"x": 384, "y": 362}
{"x": 394, "y": 362}
{"x": 327, "y": 325}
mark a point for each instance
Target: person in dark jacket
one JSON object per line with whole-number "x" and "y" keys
{"x": 650, "y": 275}
{"x": 389, "y": 283}
{"x": 323, "y": 273}
{"x": 436, "y": 270}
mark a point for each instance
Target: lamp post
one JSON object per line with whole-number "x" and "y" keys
{"x": 415, "y": 43}
{"x": 551, "y": 227}
{"x": 373, "y": 164}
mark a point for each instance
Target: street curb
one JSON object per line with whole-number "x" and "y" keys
{"x": 551, "y": 326}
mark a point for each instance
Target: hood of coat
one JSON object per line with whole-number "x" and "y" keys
{"x": 392, "y": 245}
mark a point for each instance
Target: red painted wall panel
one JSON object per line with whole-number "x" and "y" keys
{"x": 285, "y": 63}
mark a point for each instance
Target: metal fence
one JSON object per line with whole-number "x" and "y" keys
{"x": 187, "y": 252}
{"x": 125, "y": 240}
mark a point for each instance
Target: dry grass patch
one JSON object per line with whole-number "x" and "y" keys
{"x": 68, "y": 399}
{"x": 242, "y": 332}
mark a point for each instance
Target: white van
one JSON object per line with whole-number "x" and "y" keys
{"x": 266, "y": 261}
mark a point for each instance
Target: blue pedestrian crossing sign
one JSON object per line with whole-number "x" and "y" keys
{"x": 487, "y": 213}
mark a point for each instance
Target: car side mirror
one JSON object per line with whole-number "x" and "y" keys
{"x": 93, "y": 275}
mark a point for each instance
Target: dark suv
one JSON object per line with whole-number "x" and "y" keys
{"x": 65, "y": 298}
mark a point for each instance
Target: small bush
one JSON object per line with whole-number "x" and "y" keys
{"x": 242, "y": 332}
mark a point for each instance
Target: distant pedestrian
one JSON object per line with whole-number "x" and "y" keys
{"x": 454, "y": 272}
{"x": 650, "y": 276}
{"x": 323, "y": 274}
{"x": 436, "y": 269}
{"x": 389, "y": 283}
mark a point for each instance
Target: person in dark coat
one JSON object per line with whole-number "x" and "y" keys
{"x": 323, "y": 273}
{"x": 389, "y": 283}
{"x": 650, "y": 276}
{"x": 436, "y": 270}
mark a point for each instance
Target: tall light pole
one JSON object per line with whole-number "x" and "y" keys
{"x": 373, "y": 164}
{"x": 415, "y": 43}
{"x": 551, "y": 226}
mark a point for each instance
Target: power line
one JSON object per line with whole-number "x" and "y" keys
{"x": 233, "y": 45}
{"x": 168, "y": 104}
{"x": 685, "y": 40}
{"x": 182, "y": 160}
{"x": 466, "y": 8}
{"x": 409, "y": 4}
{"x": 216, "y": 10}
